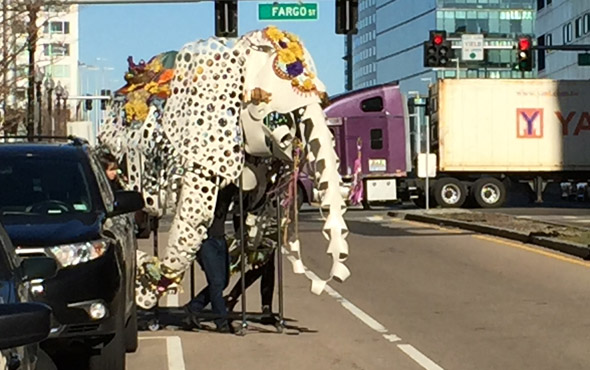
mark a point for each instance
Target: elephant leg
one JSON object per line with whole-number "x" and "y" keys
{"x": 194, "y": 214}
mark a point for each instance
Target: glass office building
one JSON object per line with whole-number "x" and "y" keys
{"x": 402, "y": 26}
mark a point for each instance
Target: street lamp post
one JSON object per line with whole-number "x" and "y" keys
{"x": 49, "y": 86}
{"x": 59, "y": 91}
{"x": 38, "y": 82}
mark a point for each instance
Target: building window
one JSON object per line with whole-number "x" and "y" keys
{"x": 56, "y": 49}
{"x": 578, "y": 27}
{"x": 376, "y": 139}
{"x": 540, "y": 4}
{"x": 541, "y": 53}
{"x": 567, "y": 33}
{"x": 586, "y": 23}
{"x": 60, "y": 71}
{"x": 57, "y": 27}
{"x": 372, "y": 104}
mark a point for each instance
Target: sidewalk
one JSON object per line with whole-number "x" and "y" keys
{"x": 566, "y": 239}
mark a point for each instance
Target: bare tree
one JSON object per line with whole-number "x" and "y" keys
{"x": 21, "y": 27}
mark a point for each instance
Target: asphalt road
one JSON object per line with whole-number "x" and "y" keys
{"x": 419, "y": 297}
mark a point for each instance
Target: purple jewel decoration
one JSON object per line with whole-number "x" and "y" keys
{"x": 282, "y": 44}
{"x": 295, "y": 69}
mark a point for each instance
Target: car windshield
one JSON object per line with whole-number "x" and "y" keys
{"x": 43, "y": 186}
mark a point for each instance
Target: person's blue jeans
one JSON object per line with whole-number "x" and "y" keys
{"x": 214, "y": 260}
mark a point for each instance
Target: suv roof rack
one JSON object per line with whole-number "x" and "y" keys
{"x": 78, "y": 141}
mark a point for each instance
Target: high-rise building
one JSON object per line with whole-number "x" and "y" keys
{"x": 392, "y": 48}
{"x": 562, "y": 22}
{"x": 57, "y": 48}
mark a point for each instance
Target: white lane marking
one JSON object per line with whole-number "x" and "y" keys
{"x": 417, "y": 356}
{"x": 375, "y": 218}
{"x": 174, "y": 351}
{"x": 408, "y": 349}
{"x": 392, "y": 337}
{"x": 582, "y": 221}
{"x": 175, "y": 354}
{"x": 569, "y": 217}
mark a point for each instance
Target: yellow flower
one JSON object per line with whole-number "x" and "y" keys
{"x": 152, "y": 87}
{"x": 310, "y": 75}
{"x": 295, "y": 82}
{"x": 132, "y": 87}
{"x": 286, "y": 56}
{"x": 308, "y": 84}
{"x": 292, "y": 37}
{"x": 295, "y": 48}
{"x": 274, "y": 33}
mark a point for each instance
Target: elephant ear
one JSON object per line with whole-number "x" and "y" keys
{"x": 201, "y": 115}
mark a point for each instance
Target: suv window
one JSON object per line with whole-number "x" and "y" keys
{"x": 47, "y": 186}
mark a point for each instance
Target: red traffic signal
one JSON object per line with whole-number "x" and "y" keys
{"x": 524, "y": 43}
{"x": 438, "y": 39}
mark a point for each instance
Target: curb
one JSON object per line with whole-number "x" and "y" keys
{"x": 574, "y": 249}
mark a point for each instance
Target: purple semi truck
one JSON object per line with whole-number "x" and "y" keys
{"x": 372, "y": 124}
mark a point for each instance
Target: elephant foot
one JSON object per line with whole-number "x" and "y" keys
{"x": 151, "y": 284}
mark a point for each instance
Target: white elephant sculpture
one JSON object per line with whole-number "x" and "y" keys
{"x": 208, "y": 130}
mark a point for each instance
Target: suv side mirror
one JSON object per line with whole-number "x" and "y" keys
{"x": 127, "y": 201}
{"x": 38, "y": 268}
{"x": 23, "y": 323}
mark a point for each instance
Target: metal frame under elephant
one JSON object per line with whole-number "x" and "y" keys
{"x": 191, "y": 127}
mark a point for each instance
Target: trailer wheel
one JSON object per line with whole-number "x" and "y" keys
{"x": 489, "y": 192}
{"x": 449, "y": 193}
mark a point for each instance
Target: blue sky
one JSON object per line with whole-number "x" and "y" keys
{"x": 110, "y": 33}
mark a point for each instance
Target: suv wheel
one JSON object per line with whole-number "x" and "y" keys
{"x": 112, "y": 354}
{"x": 131, "y": 340}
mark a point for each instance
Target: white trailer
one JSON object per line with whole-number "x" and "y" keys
{"x": 488, "y": 132}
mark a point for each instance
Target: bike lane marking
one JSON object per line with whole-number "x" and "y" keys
{"x": 408, "y": 349}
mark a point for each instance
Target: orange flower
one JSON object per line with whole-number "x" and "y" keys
{"x": 166, "y": 76}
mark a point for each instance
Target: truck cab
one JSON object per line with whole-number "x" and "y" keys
{"x": 370, "y": 125}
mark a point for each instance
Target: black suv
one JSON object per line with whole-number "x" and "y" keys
{"x": 55, "y": 201}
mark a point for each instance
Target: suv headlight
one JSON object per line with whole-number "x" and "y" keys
{"x": 74, "y": 254}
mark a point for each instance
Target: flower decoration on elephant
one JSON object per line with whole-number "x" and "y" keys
{"x": 290, "y": 64}
{"x": 145, "y": 83}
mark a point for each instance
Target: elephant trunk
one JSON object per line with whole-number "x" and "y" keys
{"x": 319, "y": 141}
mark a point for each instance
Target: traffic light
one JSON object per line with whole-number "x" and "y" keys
{"x": 524, "y": 56}
{"x": 438, "y": 51}
{"x": 103, "y": 102}
{"x": 226, "y": 18}
{"x": 347, "y": 14}
{"x": 88, "y": 103}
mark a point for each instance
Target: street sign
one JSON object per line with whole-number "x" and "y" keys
{"x": 288, "y": 12}
{"x": 472, "y": 47}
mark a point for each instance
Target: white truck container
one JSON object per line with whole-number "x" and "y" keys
{"x": 488, "y": 132}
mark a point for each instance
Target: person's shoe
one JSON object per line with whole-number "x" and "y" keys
{"x": 267, "y": 316}
{"x": 190, "y": 322}
{"x": 225, "y": 329}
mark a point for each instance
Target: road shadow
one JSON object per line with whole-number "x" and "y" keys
{"x": 367, "y": 228}
{"x": 173, "y": 318}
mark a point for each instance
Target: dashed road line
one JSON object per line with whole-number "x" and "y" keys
{"x": 417, "y": 356}
{"x": 408, "y": 349}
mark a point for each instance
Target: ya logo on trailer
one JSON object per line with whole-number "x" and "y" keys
{"x": 529, "y": 123}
